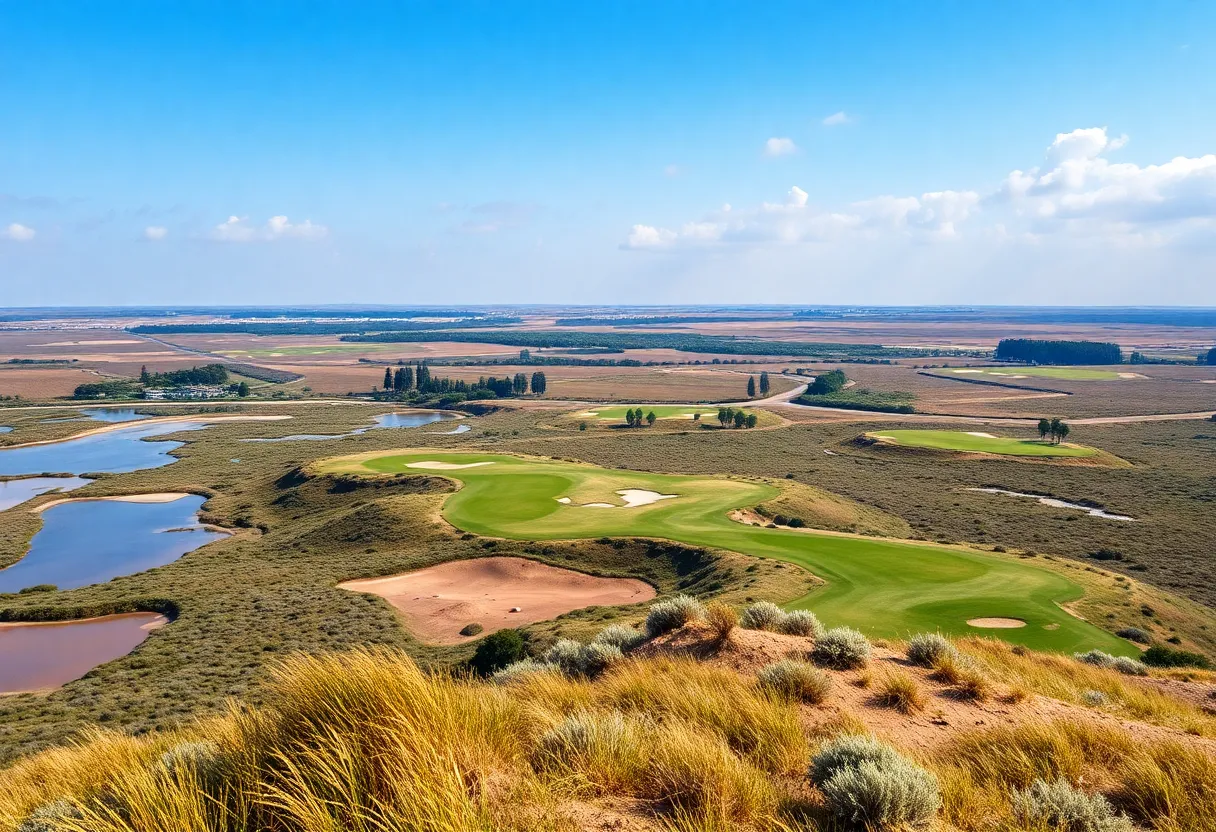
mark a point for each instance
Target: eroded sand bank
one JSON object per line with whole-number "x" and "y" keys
{"x": 438, "y": 601}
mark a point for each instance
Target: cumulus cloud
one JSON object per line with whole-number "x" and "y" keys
{"x": 775, "y": 147}
{"x": 18, "y": 233}
{"x": 240, "y": 230}
{"x": 837, "y": 119}
{"x": 155, "y": 232}
{"x": 1078, "y": 190}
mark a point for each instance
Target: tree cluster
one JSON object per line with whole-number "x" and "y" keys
{"x": 730, "y": 417}
{"x": 1033, "y": 351}
{"x": 635, "y": 418}
{"x": 415, "y": 382}
{"x": 828, "y": 382}
{"x": 1211, "y": 357}
{"x": 207, "y": 374}
{"x": 1057, "y": 429}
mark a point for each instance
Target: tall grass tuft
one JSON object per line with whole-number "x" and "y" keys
{"x": 722, "y": 620}
{"x": 900, "y": 691}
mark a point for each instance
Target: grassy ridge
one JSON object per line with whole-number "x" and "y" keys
{"x": 957, "y": 440}
{"x": 885, "y": 588}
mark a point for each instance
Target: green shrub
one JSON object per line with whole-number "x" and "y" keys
{"x": 497, "y": 650}
{"x": 619, "y": 636}
{"x": 927, "y": 649}
{"x": 762, "y": 615}
{"x": 850, "y": 750}
{"x": 795, "y": 680}
{"x": 842, "y": 648}
{"x": 800, "y": 623}
{"x": 672, "y": 613}
{"x": 50, "y": 817}
{"x": 472, "y": 629}
{"x": 893, "y": 795}
{"x": 1135, "y": 634}
{"x": 1159, "y": 656}
{"x": 1062, "y": 808}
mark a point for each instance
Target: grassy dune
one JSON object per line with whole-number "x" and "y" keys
{"x": 883, "y": 587}
{"x": 957, "y": 440}
{"x": 1068, "y": 373}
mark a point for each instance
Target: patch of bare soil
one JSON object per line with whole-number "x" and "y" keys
{"x": 495, "y": 592}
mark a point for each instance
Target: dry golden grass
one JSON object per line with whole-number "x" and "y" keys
{"x": 722, "y": 619}
{"x": 900, "y": 691}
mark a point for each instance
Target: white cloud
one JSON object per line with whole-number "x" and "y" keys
{"x": 775, "y": 147}
{"x": 837, "y": 119}
{"x": 239, "y": 230}
{"x": 18, "y": 233}
{"x": 155, "y": 232}
{"x": 1079, "y": 192}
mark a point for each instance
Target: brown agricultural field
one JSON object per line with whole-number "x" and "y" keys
{"x": 42, "y": 382}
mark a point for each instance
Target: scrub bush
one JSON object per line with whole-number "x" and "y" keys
{"x": 927, "y": 649}
{"x": 893, "y": 795}
{"x": 1059, "y": 806}
{"x": 795, "y": 680}
{"x": 762, "y": 615}
{"x": 842, "y": 648}
{"x": 50, "y": 817}
{"x": 619, "y": 636}
{"x": 1095, "y": 657}
{"x": 801, "y": 623}
{"x": 849, "y": 751}
{"x": 672, "y": 613}
{"x": 520, "y": 670}
{"x": 1129, "y": 667}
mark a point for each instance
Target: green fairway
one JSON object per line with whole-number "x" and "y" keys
{"x": 886, "y": 588}
{"x": 978, "y": 442}
{"x": 663, "y": 411}
{"x": 1005, "y": 373}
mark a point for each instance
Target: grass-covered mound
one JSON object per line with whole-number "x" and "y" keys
{"x": 886, "y": 588}
{"x": 646, "y": 737}
{"x": 1015, "y": 372}
{"x": 980, "y": 442}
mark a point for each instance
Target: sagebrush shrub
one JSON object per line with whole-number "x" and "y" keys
{"x": 1096, "y": 658}
{"x": 50, "y": 817}
{"x": 672, "y": 613}
{"x": 620, "y": 636}
{"x": 1059, "y": 806}
{"x": 566, "y": 654}
{"x": 1129, "y": 667}
{"x": 795, "y": 680}
{"x": 1095, "y": 698}
{"x": 193, "y": 759}
{"x": 894, "y": 794}
{"x": 595, "y": 658}
{"x": 579, "y": 736}
{"x": 520, "y": 670}
{"x": 842, "y": 648}
{"x": 1135, "y": 634}
{"x": 927, "y": 649}
{"x": 850, "y": 750}
{"x": 801, "y": 623}
{"x": 762, "y": 615}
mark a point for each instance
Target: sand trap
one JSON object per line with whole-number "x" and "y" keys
{"x": 445, "y": 466}
{"x": 1131, "y": 375}
{"x": 439, "y": 601}
{"x": 997, "y": 623}
{"x": 1208, "y": 381}
{"x": 961, "y": 372}
{"x": 633, "y": 498}
{"x": 980, "y": 434}
{"x": 158, "y": 497}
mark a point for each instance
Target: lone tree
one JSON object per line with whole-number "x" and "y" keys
{"x": 144, "y": 377}
{"x": 650, "y": 417}
{"x": 1044, "y": 428}
{"x": 740, "y": 418}
{"x": 751, "y": 387}
{"x": 242, "y": 389}
{"x": 519, "y": 384}
{"x": 751, "y": 420}
{"x": 764, "y": 387}
{"x": 538, "y": 383}
{"x": 388, "y": 379}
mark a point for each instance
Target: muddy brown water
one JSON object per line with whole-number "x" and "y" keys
{"x": 44, "y": 656}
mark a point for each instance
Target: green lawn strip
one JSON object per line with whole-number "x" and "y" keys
{"x": 957, "y": 440}
{"x": 886, "y": 588}
{"x": 1068, "y": 373}
{"x": 662, "y": 411}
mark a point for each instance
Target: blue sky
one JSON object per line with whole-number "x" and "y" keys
{"x": 418, "y": 152}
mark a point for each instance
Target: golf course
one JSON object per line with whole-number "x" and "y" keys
{"x": 885, "y": 588}
{"x": 979, "y": 442}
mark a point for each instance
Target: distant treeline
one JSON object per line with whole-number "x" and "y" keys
{"x": 1058, "y": 352}
{"x": 317, "y": 328}
{"x": 1211, "y": 357}
{"x": 683, "y": 342}
{"x": 664, "y": 319}
{"x": 207, "y": 374}
{"x": 1167, "y": 316}
{"x": 42, "y": 360}
{"x": 415, "y": 384}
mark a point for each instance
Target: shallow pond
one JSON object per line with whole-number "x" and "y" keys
{"x": 41, "y": 656}
{"x": 89, "y": 542}
{"x": 102, "y": 414}
{"x": 16, "y": 492}
{"x": 5, "y": 429}
{"x": 1054, "y": 503}
{"x": 387, "y": 420}
{"x": 116, "y": 451}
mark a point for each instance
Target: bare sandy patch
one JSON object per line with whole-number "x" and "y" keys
{"x": 90, "y": 343}
{"x": 156, "y": 497}
{"x": 980, "y": 434}
{"x": 633, "y": 498}
{"x": 997, "y": 623}
{"x": 437, "y": 602}
{"x": 430, "y": 465}
{"x": 1131, "y": 375}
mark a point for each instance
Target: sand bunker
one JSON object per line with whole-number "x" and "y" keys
{"x": 633, "y": 498}
{"x": 980, "y": 434}
{"x": 997, "y": 623}
{"x": 445, "y": 466}
{"x": 439, "y": 601}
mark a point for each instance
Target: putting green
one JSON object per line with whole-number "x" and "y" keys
{"x": 886, "y": 588}
{"x": 1005, "y": 373}
{"x": 976, "y": 442}
{"x": 662, "y": 411}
